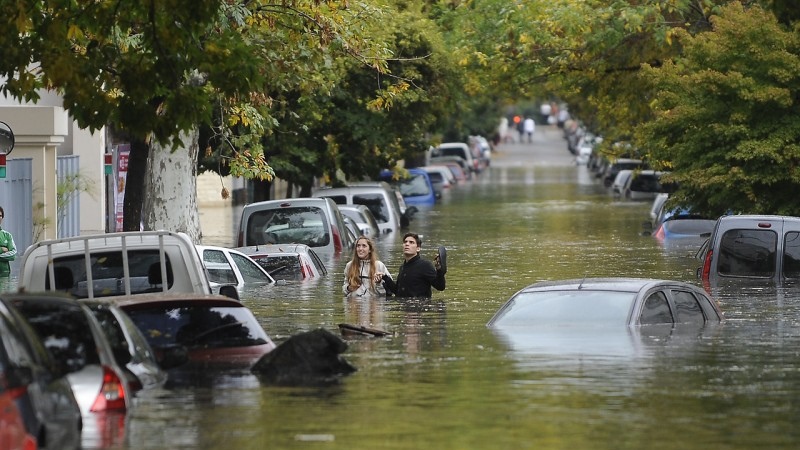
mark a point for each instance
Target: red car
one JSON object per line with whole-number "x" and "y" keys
{"x": 215, "y": 330}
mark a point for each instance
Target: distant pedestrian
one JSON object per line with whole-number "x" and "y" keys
{"x": 529, "y": 127}
{"x": 8, "y": 251}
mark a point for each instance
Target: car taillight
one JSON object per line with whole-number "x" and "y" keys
{"x": 337, "y": 240}
{"x": 112, "y": 393}
{"x": 706, "y": 272}
{"x": 303, "y": 269}
{"x": 659, "y": 234}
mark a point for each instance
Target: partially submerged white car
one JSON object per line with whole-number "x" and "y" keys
{"x": 112, "y": 264}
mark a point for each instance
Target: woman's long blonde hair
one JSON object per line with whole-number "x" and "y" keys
{"x": 354, "y": 272}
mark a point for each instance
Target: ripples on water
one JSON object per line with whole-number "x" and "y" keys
{"x": 442, "y": 380}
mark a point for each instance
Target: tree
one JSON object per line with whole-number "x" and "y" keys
{"x": 159, "y": 70}
{"x": 727, "y": 113}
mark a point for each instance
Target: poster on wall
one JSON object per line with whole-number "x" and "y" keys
{"x": 122, "y": 152}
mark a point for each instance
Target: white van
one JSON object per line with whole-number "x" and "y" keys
{"x": 113, "y": 264}
{"x": 378, "y": 196}
{"x": 316, "y": 222}
{"x": 751, "y": 248}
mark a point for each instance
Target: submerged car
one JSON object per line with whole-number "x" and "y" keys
{"x": 362, "y": 216}
{"x": 227, "y": 266}
{"x": 292, "y": 262}
{"x": 38, "y": 388}
{"x": 316, "y": 222}
{"x": 215, "y": 330}
{"x": 751, "y": 249}
{"x": 416, "y": 188}
{"x": 608, "y": 302}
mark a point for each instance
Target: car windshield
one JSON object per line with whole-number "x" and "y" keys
{"x": 413, "y": 186}
{"x": 198, "y": 326}
{"x": 295, "y": 225}
{"x": 547, "y": 308}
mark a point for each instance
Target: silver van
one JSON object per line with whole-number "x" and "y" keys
{"x": 746, "y": 248}
{"x": 378, "y": 196}
{"x": 316, "y": 222}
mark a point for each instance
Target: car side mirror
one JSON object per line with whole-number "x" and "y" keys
{"x": 229, "y": 291}
{"x": 17, "y": 376}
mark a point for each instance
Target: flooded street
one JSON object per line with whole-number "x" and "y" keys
{"x": 443, "y": 380}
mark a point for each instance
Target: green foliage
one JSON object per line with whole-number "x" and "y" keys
{"x": 727, "y": 115}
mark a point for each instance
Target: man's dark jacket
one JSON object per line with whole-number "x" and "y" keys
{"x": 415, "y": 279}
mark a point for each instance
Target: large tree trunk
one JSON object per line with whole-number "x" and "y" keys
{"x": 134, "y": 185}
{"x": 170, "y": 200}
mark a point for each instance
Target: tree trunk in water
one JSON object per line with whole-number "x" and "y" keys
{"x": 134, "y": 185}
{"x": 170, "y": 201}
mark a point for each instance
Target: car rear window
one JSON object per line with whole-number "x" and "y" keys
{"x": 108, "y": 273}
{"x": 281, "y": 267}
{"x": 64, "y": 331}
{"x": 791, "y": 255}
{"x": 567, "y": 307}
{"x": 413, "y": 186}
{"x": 290, "y": 225}
{"x": 748, "y": 253}
{"x": 198, "y": 325}
{"x": 376, "y": 204}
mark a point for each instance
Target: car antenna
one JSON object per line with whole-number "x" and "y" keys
{"x": 580, "y": 285}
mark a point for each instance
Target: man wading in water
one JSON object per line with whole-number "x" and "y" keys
{"x": 417, "y": 275}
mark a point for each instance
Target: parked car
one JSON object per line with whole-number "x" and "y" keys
{"x": 40, "y": 390}
{"x": 751, "y": 248}
{"x": 216, "y": 331}
{"x": 447, "y": 160}
{"x": 416, "y": 189}
{"x": 645, "y": 185}
{"x": 379, "y": 197}
{"x": 290, "y": 262}
{"x": 367, "y": 225}
{"x": 620, "y": 181}
{"x": 314, "y": 221}
{"x": 227, "y": 266}
{"x": 677, "y": 223}
{"x": 481, "y": 149}
{"x": 441, "y": 178}
{"x": 612, "y": 169}
{"x": 13, "y": 433}
{"x": 456, "y": 169}
{"x": 100, "y": 380}
{"x": 118, "y": 264}
{"x": 607, "y": 301}
{"x": 461, "y": 150}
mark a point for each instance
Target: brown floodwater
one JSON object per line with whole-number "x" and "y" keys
{"x": 442, "y": 380}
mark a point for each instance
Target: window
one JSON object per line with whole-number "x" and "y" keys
{"x": 219, "y": 269}
{"x": 687, "y": 308}
{"x": 251, "y": 272}
{"x": 297, "y": 225}
{"x": 748, "y": 253}
{"x": 656, "y": 310}
{"x": 281, "y": 267}
{"x": 107, "y": 272}
{"x": 376, "y": 204}
{"x": 791, "y": 255}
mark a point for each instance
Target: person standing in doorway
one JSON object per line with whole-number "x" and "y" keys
{"x": 364, "y": 273}
{"x": 417, "y": 275}
{"x": 8, "y": 251}
{"x": 529, "y": 127}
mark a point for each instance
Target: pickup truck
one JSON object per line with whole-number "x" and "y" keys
{"x": 112, "y": 264}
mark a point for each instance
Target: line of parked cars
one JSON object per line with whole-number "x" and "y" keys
{"x": 100, "y": 318}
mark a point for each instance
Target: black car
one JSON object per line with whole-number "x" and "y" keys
{"x": 46, "y": 402}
